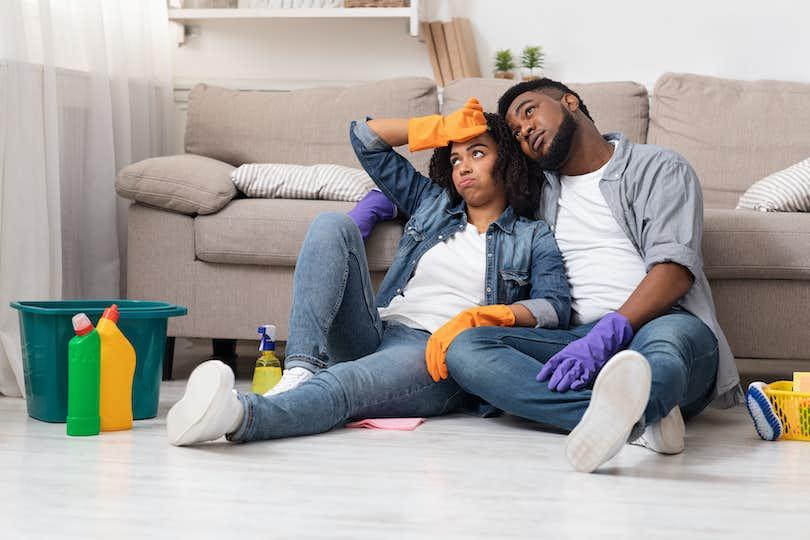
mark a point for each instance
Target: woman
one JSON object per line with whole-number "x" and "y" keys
{"x": 469, "y": 251}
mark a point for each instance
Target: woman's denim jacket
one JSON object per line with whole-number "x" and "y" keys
{"x": 523, "y": 266}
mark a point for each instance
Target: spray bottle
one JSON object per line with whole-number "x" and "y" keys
{"x": 267, "y": 372}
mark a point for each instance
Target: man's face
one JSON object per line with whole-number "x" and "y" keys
{"x": 544, "y": 126}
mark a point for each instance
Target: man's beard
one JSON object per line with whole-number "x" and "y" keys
{"x": 560, "y": 146}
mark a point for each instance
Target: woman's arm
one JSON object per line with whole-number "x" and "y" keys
{"x": 394, "y": 131}
{"x": 550, "y": 297}
{"x": 393, "y": 173}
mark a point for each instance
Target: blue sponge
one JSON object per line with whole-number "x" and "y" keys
{"x": 766, "y": 421}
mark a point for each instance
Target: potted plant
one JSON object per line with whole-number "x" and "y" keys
{"x": 504, "y": 64}
{"x": 532, "y": 59}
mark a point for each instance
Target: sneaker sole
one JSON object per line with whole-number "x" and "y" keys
{"x": 208, "y": 384}
{"x": 618, "y": 400}
{"x": 766, "y": 422}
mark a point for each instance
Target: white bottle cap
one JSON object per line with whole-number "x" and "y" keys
{"x": 82, "y": 324}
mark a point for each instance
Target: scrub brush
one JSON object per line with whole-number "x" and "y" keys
{"x": 766, "y": 421}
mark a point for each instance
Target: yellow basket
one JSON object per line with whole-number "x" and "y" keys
{"x": 793, "y": 409}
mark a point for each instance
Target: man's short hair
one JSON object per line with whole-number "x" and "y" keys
{"x": 547, "y": 86}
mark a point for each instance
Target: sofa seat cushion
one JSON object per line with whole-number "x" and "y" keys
{"x": 744, "y": 244}
{"x": 270, "y": 232}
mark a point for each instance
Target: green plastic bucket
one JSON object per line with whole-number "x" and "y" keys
{"x": 46, "y": 329}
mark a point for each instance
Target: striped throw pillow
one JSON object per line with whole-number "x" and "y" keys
{"x": 783, "y": 191}
{"x": 285, "y": 181}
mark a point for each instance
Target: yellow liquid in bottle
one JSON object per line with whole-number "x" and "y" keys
{"x": 267, "y": 372}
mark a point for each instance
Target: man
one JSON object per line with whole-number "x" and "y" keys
{"x": 628, "y": 219}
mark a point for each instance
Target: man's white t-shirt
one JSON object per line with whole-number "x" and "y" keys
{"x": 449, "y": 278}
{"x": 602, "y": 264}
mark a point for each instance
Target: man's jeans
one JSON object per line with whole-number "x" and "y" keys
{"x": 501, "y": 364}
{"x": 364, "y": 368}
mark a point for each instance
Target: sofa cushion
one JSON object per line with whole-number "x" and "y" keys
{"x": 187, "y": 184}
{"x": 782, "y": 191}
{"x": 744, "y": 244}
{"x": 315, "y": 182}
{"x": 303, "y": 126}
{"x": 614, "y": 106}
{"x": 732, "y": 132}
{"x": 271, "y": 231}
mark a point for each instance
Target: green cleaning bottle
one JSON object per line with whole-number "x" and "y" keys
{"x": 84, "y": 378}
{"x": 267, "y": 372}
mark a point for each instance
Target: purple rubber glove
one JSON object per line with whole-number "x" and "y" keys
{"x": 374, "y": 207}
{"x": 578, "y": 363}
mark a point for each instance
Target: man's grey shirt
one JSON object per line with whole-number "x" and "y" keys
{"x": 656, "y": 198}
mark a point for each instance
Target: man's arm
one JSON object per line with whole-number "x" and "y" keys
{"x": 664, "y": 285}
{"x": 671, "y": 209}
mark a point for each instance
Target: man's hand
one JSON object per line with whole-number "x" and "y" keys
{"x": 577, "y": 364}
{"x": 439, "y": 342}
{"x": 435, "y": 130}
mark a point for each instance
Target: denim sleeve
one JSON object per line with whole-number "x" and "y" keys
{"x": 550, "y": 301}
{"x": 671, "y": 214}
{"x": 393, "y": 174}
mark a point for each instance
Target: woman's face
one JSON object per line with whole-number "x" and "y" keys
{"x": 472, "y": 163}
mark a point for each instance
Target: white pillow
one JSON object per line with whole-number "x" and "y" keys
{"x": 783, "y": 191}
{"x": 285, "y": 181}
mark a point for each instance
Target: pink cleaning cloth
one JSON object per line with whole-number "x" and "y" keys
{"x": 398, "y": 424}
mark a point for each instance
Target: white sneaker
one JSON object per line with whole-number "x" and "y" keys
{"x": 208, "y": 409}
{"x": 290, "y": 379}
{"x": 665, "y": 436}
{"x": 618, "y": 400}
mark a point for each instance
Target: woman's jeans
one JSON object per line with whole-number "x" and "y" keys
{"x": 501, "y": 364}
{"x": 364, "y": 368}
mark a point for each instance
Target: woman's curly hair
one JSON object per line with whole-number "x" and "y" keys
{"x": 522, "y": 180}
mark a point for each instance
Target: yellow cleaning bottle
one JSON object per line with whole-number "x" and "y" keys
{"x": 117, "y": 372}
{"x": 267, "y": 372}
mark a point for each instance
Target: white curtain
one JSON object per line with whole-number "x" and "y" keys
{"x": 85, "y": 89}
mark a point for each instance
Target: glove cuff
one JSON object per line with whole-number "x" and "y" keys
{"x": 619, "y": 326}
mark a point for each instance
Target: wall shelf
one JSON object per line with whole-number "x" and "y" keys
{"x": 411, "y": 14}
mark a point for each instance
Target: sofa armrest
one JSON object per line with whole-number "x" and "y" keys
{"x": 186, "y": 183}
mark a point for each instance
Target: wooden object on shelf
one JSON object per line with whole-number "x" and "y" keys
{"x": 451, "y": 49}
{"x": 441, "y": 50}
{"x": 464, "y": 29}
{"x": 434, "y": 60}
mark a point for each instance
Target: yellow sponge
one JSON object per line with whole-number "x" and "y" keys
{"x": 801, "y": 382}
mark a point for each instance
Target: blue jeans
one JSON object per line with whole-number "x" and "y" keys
{"x": 364, "y": 368}
{"x": 501, "y": 364}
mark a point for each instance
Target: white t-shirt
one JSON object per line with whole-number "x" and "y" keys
{"x": 449, "y": 278}
{"x": 602, "y": 264}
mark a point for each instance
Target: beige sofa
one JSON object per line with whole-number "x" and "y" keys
{"x": 231, "y": 259}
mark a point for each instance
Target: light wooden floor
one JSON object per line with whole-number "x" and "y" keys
{"x": 454, "y": 477}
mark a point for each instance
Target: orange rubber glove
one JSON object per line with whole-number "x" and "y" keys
{"x": 436, "y": 130}
{"x": 439, "y": 342}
